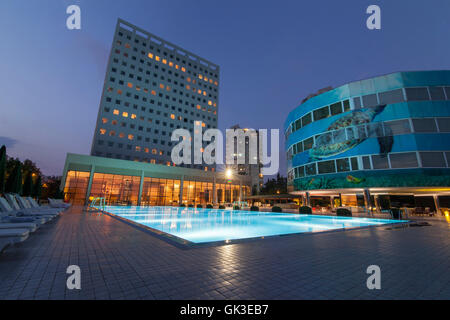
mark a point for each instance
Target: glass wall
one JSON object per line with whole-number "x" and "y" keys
{"x": 227, "y": 193}
{"x": 116, "y": 189}
{"x": 76, "y": 187}
{"x": 160, "y": 192}
{"x": 197, "y": 192}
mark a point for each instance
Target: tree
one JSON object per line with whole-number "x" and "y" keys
{"x": 14, "y": 181}
{"x": 28, "y": 185}
{"x": 275, "y": 186}
{"x": 2, "y": 169}
{"x": 30, "y": 166}
{"x": 37, "y": 188}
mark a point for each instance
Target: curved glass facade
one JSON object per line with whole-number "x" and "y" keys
{"x": 384, "y": 132}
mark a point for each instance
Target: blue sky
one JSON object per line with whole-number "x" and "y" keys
{"x": 272, "y": 54}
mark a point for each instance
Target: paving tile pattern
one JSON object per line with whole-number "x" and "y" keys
{"x": 118, "y": 261}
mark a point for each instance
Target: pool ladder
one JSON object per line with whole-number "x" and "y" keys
{"x": 97, "y": 205}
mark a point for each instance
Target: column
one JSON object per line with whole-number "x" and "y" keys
{"x": 308, "y": 199}
{"x": 88, "y": 191}
{"x": 436, "y": 204}
{"x": 332, "y": 202}
{"x": 240, "y": 190}
{"x": 180, "y": 198}
{"x": 141, "y": 185}
{"x": 214, "y": 192}
{"x": 367, "y": 201}
{"x": 377, "y": 204}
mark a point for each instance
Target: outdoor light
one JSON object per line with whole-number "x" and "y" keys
{"x": 228, "y": 173}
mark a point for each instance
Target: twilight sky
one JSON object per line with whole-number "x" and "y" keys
{"x": 272, "y": 54}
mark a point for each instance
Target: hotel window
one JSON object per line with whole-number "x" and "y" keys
{"x": 138, "y": 149}
{"x": 417, "y": 94}
{"x": 437, "y": 93}
{"x": 326, "y": 167}
{"x": 357, "y": 102}
{"x": 354, "y": 162}
{"x": 380, "y": 162}
{"x": 104, "y": 120}
{"x": 102, "y": 131}
{"x": 424, "y": 125}
{"x": 310, "y": 169}
{"x": 133, "y": 116}
{"x": 403, "y": 160}
{"x": 447, "y": 92}
{"x": 307, "y": 119}
{"x": 321, "y": 113}
{"x": 443, "y": 124}
{"x": 336, "y": 108}
{"x": 343, "y": 165}
{"x": 390, "y": 97}
{"x": 121, "y": 135}
{"x": 346, "y": 104}
{"x": 116, "y": 112}
{"x": 397, "y": 127}
{"x": 112, "y": 133}
{"x": 130, "y": 137}
{"x": 366, "y": 163}
{"x": 370, "y": 100}
{"x": 125, "y": 114}
{"x": 432, "y": 159}
{"x": 130, "y": 85}
{"x": 308, "y": 144}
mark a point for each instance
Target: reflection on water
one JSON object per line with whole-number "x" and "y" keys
{"x": 208, "y": 225}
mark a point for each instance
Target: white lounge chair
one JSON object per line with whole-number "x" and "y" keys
{"x": 30, "y": 226}
{"x": 14, "y": 236}
{"x": 10, "y": 215}
{"x": 26, "y": 211}
{"x": 58, "y": 203}
{"x": 25, "y": 205}
{"x": 34, "y": 204}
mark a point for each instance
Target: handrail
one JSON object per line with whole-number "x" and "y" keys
{"x": 97, "y": 205}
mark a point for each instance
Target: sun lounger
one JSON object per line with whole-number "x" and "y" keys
{"x": 12, "y": 216}
{"x": 25, "y": 205}
{"x": 26, "y": 212}
{"x": 31, "y": 227}
{"x": 34, "y": 204}
{"x": 14, "y": 236}
{"x": 57, "y": 203}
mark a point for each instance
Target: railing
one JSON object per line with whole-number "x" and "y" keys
{"x": 97, "y": 205}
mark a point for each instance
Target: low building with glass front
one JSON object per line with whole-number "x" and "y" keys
{"x": 379, "y": 142}
{"x": 130, "y": 183}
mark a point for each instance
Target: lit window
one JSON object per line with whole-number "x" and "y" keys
{"x": 199, "y": 91}
{"x": 188, "y": 87}
{"x": 138, "y": 149}
{"x": 154, "y": 151}
{"x": 104, "y": 120}
{"x": 199, "y": 107}
{"x": 147, "y": 150}
{"x": 153, "y": 161}
{"x": 121, "y": 135}
{"x": 160, "y": 153}
{"x": 130, "y": 137}
{"x": 114, "y": 122}
{"x": 130, "y": 85}
{"x": 170, "y": 64}
{"x": 206, "y": 79}
{"x": 125, "y": 114}
{"x": 164, "y": 61}
{"x": 154, "y": 92}
{"x": 204, "y": 93}
{"x": 116, "y": 112}
{"x": 183, "y": 69}
{"x": 112, "y": 133}
{"x": 177, "y": 67}
{"x": 161, "y": 86}
{"x": 157, "y": 58}
{"x": 203, "y": 125}
{"x": 110, "y": 89}
{"x": 188, "y": 79}
{"x": 215, "y": 82}
{"x": 119, "y": 91}
{"x": 206, "y": 168}
{"x": 150, "y": 55}
{"x": 102, "y": 131}
{"x": 138, "y": 88}
{"x": 168, "y": 88}
{"x": 172, "y": 116}
{"x": 168, "y": 163}
{"x": 200, "y": 76}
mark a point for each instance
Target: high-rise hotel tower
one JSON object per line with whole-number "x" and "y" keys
{"x": 152, "y": 87}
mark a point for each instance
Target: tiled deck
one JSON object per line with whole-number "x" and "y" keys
{"x": 118, "y": 261}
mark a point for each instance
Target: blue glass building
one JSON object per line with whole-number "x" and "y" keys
{"x": 384, "y": 136}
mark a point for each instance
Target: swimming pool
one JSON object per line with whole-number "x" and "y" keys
{"x": 198, "y": 226}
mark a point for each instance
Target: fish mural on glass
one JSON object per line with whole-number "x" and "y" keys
{"x": 336, "y": 142}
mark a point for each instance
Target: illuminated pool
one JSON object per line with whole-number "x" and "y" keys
{"x": 211, "y": 225}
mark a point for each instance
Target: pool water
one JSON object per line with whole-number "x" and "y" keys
{"x": 211, "y": 225}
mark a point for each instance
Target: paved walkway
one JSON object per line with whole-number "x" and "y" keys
{"x": 118, "y": 261}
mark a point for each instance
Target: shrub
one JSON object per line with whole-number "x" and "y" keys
{"x": 199, "y": 206}
{"x": 277, "y": 209}
{"x": 221, "y": 207}
{"x": 236, "y": 208}
{"x": 254, "y": 208}
{"x": 209, "y": 206}
{"x": 342, "y": 212}
{"x": 305, "y": 210}
{"x": 182, "y": 205}
{"x": 191, "y": 206}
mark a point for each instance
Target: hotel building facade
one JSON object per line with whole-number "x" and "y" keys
{"x": 151, "y": 88}
{"x": 379, "y": 142}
